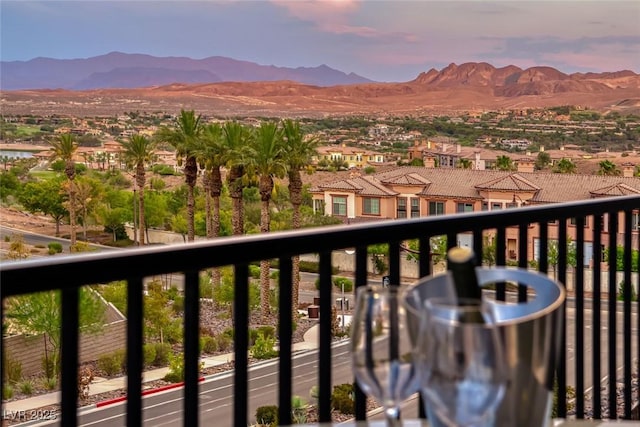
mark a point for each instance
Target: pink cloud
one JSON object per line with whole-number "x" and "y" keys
{"x": 332, "y": 16}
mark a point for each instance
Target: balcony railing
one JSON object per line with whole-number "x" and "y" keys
{"x": 69, "y": 273}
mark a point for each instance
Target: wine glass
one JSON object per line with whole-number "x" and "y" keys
{"x": 382, "y": 353}
{"x": 460, "y": 354}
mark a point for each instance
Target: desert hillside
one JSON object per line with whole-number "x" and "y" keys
{"x": 455, "y": 89}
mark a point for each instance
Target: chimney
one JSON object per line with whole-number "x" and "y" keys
{"x": 428, "y": 144}
{"x": 458, "y": 148}
{"x": 542, "y": 148}
{"x": 429, "y": 161}
{"x": 477, "y": 160}
{"x": 627, "y": 170}
{"x": 525, "y": 165}
{"x": 444, "y": 147}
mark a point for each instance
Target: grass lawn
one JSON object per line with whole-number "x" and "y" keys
{"x": 27, "y": 130}
{"x": 44, "y": 174}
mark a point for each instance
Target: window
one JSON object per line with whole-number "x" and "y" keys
{"x": 464, "y": 207}
{"x": 415, "y": 207}
{"x": 339, "y": 206}
{"x": 496, "y": 206}
{"x": 402, "y": 208}
{"x": 371, "y": 206}
{"x": 573, "y": 221}
{"x": 318, "y": 206}
{"x": 485, "y": 206}
{"x": 436, "y": 208}
{"x": 635, "y": 221}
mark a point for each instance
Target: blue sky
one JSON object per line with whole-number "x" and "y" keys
{"x": 389, "y": 40}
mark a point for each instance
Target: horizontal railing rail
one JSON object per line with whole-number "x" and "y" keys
{"x": 613, "y": 222}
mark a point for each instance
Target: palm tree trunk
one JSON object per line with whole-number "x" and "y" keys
{"x": 141, "y": 221}
{"x": 72, "y": 212}
{"x": 265, "y": 309}
{"x": 295, "y": 193}
{"x": 206, "y": 184}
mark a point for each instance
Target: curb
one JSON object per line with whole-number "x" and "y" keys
{"x": 144, "y": 393}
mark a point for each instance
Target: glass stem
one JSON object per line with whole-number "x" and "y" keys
{"x": 392, "y": 414}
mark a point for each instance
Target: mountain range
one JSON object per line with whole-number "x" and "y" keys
{"x": 119, "y": 82}
{"x": 124, "y": 70}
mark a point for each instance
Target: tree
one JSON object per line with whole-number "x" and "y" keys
{"x": 211, "y": 155}
{"x": 64, "y": 148}
{"x": 266, "y": 164}
{"x": 465, "y": 163}
{"x": 138, "y": 152}
{"x": 45, "y": 196}
{"x": 504, "y": 163}
{"x": 565, "y": 166}
{"x": 237, "y": 141}
{"x": 543, "y": 160}
{"x": 87, "y": 194}
{"x": 40, "y": 313}
{"x": 608, "y": 168}
{"x": 298, "y": 152}
{"x": 185, "y": 138}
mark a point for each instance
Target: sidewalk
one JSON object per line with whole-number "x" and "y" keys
{"x": 102, "y": 385}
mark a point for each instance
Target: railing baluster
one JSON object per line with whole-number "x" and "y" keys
{"x": 522, "y": 257}
{"x": 69, "y": 356}
{"x": 501, "y": 259}
{"x": 562, "y": 278}
{"x": 191, "y": 346}
{"x": 324, "y": 365}
{"x": 579, "y": 316}
{"x": 361, "y": 280}
{"x": 597, "y": 318}
{"x": 241, "y": 345}
{"x": 543, "y": 251}
{"x": 135, "y": 337}
{"x": 285, "y": 331}
{"x": 394, "y": 263}
{"x": 613, "y": 306}
{"x": 612, "y": 322}
{"x": 627, "y": 314}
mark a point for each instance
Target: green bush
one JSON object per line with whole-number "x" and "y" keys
{"x": 208, "y": 344}
{"x": 224, "y": 342}
{"x": 178, "y": 305}
{"x": 342, "y": 398}
{"x": 254, "y": 271}
{"x": 26, "y": 387}
{"x": 163, "y": 350}
{"x": 112, "y": 363}
{"x": 314, "y": 267}
{"x": 163, "y": 170}
{"x": 263, "y": 347}
{"x": 54, "y": 248}
{"x": 7, "y": 391}
{"x": 268, "y": 331}
{"x": 49, "y": 383}
{"x": 12, "y": 369}
{"x": 148, "y": 354}
{"x": 339, "y": 281}
{"x": 267, "y": 415}
{"x": 176, "y": 369}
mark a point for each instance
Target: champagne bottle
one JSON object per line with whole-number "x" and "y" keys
{"x": 462, "y": 266}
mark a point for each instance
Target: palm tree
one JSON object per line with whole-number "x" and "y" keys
{"x": 185, "y": 138}
{"x": 607, "y": 167}
{"x": 465, "y": 163}
{"x": 565, "y": 166}
{"x": 266, "y": 164}
{"x": 211, "y": 155}
{"x": 237, "y": 141}
{"x": 504, "y": 163}
{"x": 299, "y": 150}
{"x": 64, "y": 148}
{"x": 138, "y": 152}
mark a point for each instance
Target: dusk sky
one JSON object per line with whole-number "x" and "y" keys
{"x": 380, "y": 40}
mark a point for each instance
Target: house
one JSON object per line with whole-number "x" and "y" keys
{"x": 354, "y": 157}
{"x": 410, "y": 192}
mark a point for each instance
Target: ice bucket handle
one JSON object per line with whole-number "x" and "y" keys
{"x": 549, "y": 294}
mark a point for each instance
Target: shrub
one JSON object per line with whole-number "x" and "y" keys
{"x": 339, "y": 281}
{"x": 163, "y": 170}
{"x": 176, "y": 369}
{"x": 7, "y": 391}
{"x": 163, "y": 350}
{"x": 148, "y": 354}
{"x": 26, "y": 387}
{"x": 49, "y": 383}
{"x": 208, "y": 344}
{"x": 12, "y": 369}
{"x": 263, "y": 348}
{"x": 254, "y": 271}
{"x": 54, "y": 248}
{"x": 111, "y": 364}
{"x": 342, "y": 398}
{"x": 267, "y": 415}
{"x": 224, "y": 342}
{"x": 178, "y": 304}
{"x": 298, "y": 410}
{"x": 268, "y": 331}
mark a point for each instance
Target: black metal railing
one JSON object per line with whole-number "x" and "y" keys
{"x": 69, "y": 273}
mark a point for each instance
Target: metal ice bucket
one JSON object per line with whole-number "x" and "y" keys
{"x": 530, "y": 332}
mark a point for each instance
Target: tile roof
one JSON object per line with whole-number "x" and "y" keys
{"x": 465, "y": 183}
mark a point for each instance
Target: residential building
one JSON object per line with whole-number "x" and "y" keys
{"x": 354, "y": 157}
{"x": 410, "y": 192}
